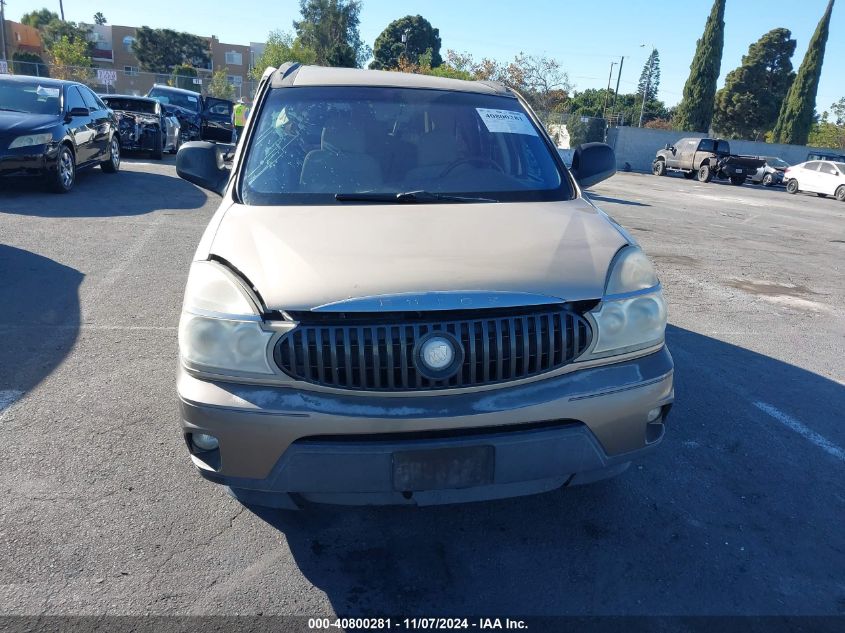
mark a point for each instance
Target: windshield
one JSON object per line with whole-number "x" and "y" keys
{"x": 179, "y": 99}
{"x": 312, "y": 144}
{"x": 776, "y": 162}
{"x": 32, "y": 98}
{"x": 131, "y": 105}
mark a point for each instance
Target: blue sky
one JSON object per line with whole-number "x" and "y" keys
{"x": 584, "y": 36}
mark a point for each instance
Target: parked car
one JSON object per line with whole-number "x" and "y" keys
{"x": 405, "y": 297}
{"x": 143, "y": 125}
{"x": 200, "y": 118}
{"x": 771, "y": 173}
{"x": 705, "y": 158}
{"x": 51, "y": 129}
{"x": 822, "y": 177}
{"x": 833, "y": 156}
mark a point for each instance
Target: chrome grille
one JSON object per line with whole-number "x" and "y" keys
{"x": 379, "y": 356}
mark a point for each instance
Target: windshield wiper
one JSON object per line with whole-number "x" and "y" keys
{"x": 407, "y": 197}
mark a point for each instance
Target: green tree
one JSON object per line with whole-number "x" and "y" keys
{"x": 796, "y": 114}
{"x": 39, "y": 19}
{"x": 824, "y": 133}
{"x": 183, "y": 77}
{"x": 695, "y": 111}
{"x": 161, "y": 50}
{"x": 420, "y": 38}
{"x": 55, "y": 30}
{"x": 219, "y": 86}
{"x": 99, "y": 18}
{"x": 70, "y": 59}
{"x": 650, "y": 77}
{"x": 747, "y": 107}
{"x": 330, "y": 29}
{"x": 281, "y": 47}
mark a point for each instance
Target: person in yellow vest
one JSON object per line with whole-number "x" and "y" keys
{"x": 239, "y": 116}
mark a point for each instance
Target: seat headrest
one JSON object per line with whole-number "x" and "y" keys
{"x": 438, "y": 147}
{"x": 341, "y": 137}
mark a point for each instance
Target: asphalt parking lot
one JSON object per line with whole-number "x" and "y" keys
{"x": 739, "y": 512}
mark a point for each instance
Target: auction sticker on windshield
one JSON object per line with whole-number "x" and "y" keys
{"x": 506, "y": 121}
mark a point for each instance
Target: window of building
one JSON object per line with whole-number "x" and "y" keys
{"x": 128, "y": 41}
{"x": 235, "y": 80}
{"x": 234, "y": 58}
{"x": 131, "y": 71}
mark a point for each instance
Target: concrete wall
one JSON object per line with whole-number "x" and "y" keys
{"x": 637, "y": 147}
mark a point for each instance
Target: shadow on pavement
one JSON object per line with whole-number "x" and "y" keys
{"x": 734, "y": 513}
{"x": 39, "y": 317}
{"x": 97, "y": 194}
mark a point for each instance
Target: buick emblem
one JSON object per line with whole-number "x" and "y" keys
{"x": 438, "y": 355}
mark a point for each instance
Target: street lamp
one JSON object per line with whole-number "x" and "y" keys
{"x": 647, "y": 82}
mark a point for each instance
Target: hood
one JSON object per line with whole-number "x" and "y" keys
{"x": 18, "y": 123}
{"x": 300, "y": 258}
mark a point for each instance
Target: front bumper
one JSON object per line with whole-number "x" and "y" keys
{"x": 341, "y": 448}
{"x": 28, "y": 161}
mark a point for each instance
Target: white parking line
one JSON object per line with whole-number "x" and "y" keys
{"x": 807, "y": 433}
{"x": 8, "y": 397}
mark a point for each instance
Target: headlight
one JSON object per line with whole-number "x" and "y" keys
{"x": 220, "y": 328}
{"x": 31, "y": 139}
{"x": 632, "y": 314}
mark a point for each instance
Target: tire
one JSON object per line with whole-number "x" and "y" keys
{"x": 705, "y": 174}
{"x": 737, "y": 180}
{"x": 840, "y": 194}
{"x": 158, "y": 154}
{"x": 689, "y": 175}
{"x": 792, "y": 186}
{"x": 112, "y": 164}
{"x": 658, "y": 168}
{"x": 768, "y": 180}
{"x": 63, "y": 179}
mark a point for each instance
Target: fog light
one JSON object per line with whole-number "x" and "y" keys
{"x": 203, "y": 442}
{"x": 652, "y": 416}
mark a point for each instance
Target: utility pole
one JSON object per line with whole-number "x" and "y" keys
{"x": 618, "y": 77}
{"x": 647, "y": 82}
{"x": 3, "y": 30}
{"x": 606, "y": 94}
{"x": 62, "y": 9}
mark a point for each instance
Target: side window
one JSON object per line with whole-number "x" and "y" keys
{"x": 90, "y": 99}
{"x": 814, "y": 166}
{"x": 706, "y": 145}
{"x": 827, "y": 168}
{"x": 723, "y": 147}
{"x": 74, "y": 99}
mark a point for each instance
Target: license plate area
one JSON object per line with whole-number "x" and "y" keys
{"x": 443, "y": 468}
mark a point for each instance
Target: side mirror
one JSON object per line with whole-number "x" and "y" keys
{"x": 77, "y": 112}
{"x": 592, "y": 163}
{"x": 203, "y": 164}
{"x": 667, "y": 147}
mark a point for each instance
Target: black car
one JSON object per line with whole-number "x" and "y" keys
{"x": 51, "y": 128}
{"x": 140, "y": 121}
{"x": 202, "y": 118}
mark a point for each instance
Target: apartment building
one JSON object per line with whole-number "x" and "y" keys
{"x": 20, "y": 38}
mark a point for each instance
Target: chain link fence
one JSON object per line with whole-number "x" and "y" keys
{"x": 570, "y": 130}
{"x": 127, "y": 81}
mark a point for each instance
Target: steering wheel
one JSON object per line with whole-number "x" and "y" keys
{"x": 482, "y": 162}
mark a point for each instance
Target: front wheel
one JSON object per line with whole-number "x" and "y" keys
{"x": 63, "y": 179}
{"x": 840, "y": 194}
{"x": 768, "y": 180}
{"x": 158, "y": 154}
{"x": 112, "y": 164}
{"x": 792, "y": 186}
{"x": 658, "y": 168}
{"x": 705, "y": 174}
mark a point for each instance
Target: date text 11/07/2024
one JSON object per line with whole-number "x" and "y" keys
{"x": 431, "y": 624}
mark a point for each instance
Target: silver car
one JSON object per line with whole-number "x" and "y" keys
{"x": 405, "y": 298}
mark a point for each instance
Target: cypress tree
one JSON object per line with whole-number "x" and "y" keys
{"x": 696, "y": 108}
{"x": 796, "y": 113}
